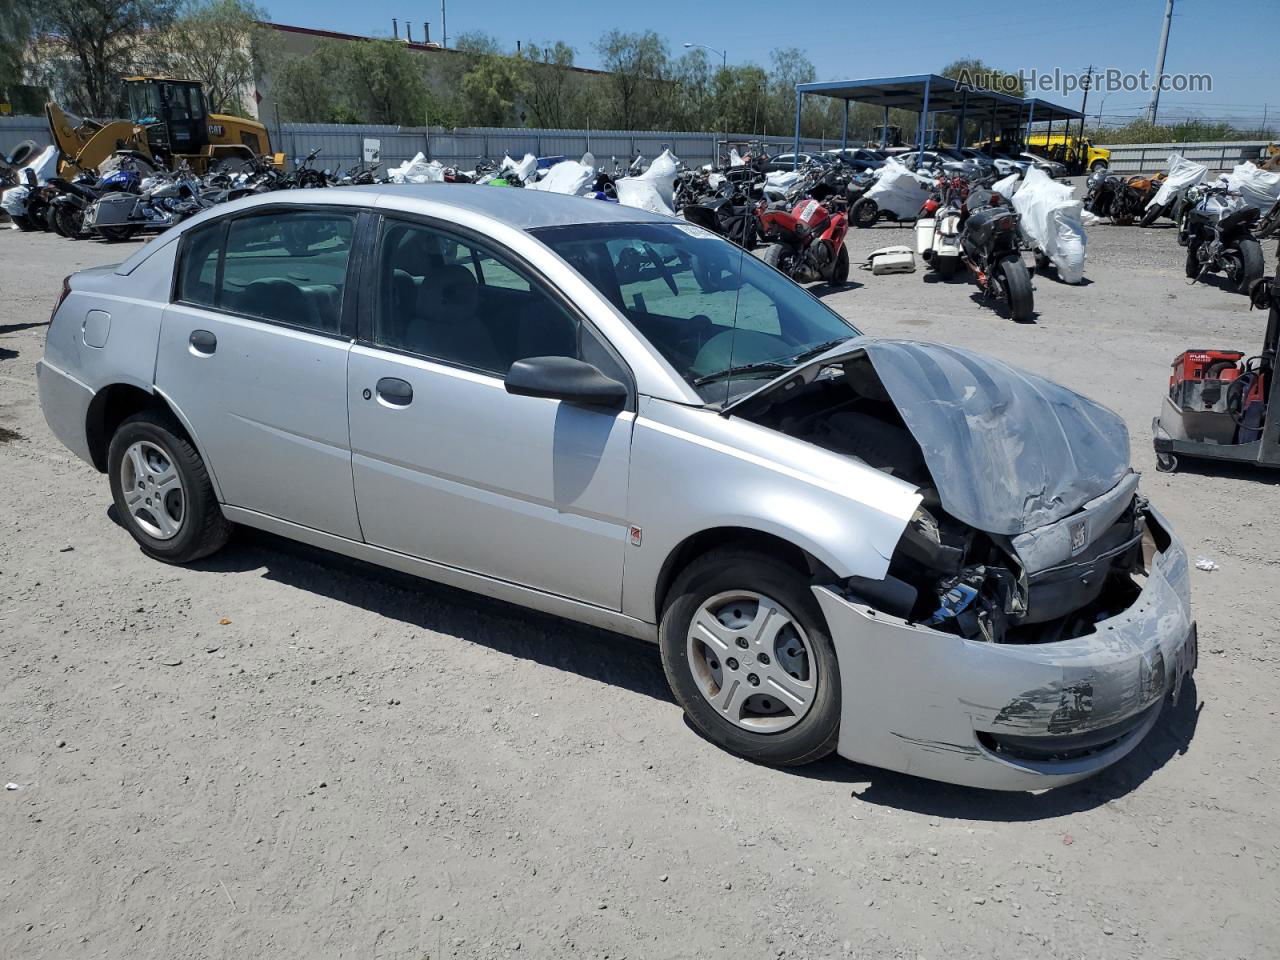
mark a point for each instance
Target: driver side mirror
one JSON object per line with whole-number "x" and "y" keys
{"x": 567, "y": 379}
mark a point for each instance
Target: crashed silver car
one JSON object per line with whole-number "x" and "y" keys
{"x": 913, "y": 555}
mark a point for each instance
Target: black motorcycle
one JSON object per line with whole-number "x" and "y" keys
{"x": 990, "y": 245}
{"x": 728, "y": 212}
{"x": 1217, "y": 231}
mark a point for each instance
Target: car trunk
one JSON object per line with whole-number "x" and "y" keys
{"x": 1030, "y": 529}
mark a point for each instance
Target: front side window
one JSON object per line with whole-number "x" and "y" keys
{"x": 722, "y": 318}
{"x": 287, "y": 267}
{"x": 452, "y": 300}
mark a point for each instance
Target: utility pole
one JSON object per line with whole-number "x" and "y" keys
{"x": 1088, "y": 82}
{"x": 444, "y": 27}
{"x": 1164, "y": 46}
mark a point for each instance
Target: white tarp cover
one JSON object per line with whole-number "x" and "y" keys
{"x": 1183, "y": 173}
{"x": 781, "y": 181}
{"x": 45, "y": 165}
{"x": 417, "y": 170}
{"x": 653, "y": 190}
{"x": 1258, "y": 188}
{"x": 525, "y": 169}
{"x": 1008, "y": 186}
{"x": 568, "y": 176}
{"x": 1050, "y": 219}
{"x": 14, "y": 201}
{"x": 899, "y": 191}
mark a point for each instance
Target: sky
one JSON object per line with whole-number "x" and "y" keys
{"x": 1232, "y": 40}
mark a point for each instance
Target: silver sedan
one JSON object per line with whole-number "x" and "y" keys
{"x": 915, "y": 556}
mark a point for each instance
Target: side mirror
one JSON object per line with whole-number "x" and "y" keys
{"x": 564, "y": 378}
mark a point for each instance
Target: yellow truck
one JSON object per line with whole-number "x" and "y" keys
{"x": 169, "y": 122}
{"x": 1078, "y": 154}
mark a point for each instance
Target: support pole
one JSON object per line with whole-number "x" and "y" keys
{"x": 795, "y": 149}
{"x": 964, "y": 106}
{"x": 844, "y": 130}
{"x": 924, "y": 120}
{"x": 1153, "y": 110}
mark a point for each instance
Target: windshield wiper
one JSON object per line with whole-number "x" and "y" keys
{"x": 819, "y": 349}
{"x": 764, "y": 366}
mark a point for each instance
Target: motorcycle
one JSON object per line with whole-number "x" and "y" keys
{"x": 992, "y": 250}
{"x": 163, "y": 202}
{"x": 1217, "y": 232}
{"x": 806, "y": 241}
{"x": 897, "y": 194}
{"x": 1123, "y": 199}
{"x": 939, "y": 225}
{"x": 68, "y": 208}
{"x": 727, "y": 211}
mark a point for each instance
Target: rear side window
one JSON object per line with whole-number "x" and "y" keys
{"x": 288, "y": 267}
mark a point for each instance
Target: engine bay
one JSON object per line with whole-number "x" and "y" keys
{"x": 944, "y": 573}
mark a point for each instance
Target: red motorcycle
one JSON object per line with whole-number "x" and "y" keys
{"x": 806, "y": 242}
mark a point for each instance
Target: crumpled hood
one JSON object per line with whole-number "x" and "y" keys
{"x": 1008, "y": 451}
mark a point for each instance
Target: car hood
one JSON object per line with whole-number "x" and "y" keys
{"x": 1008, "y": 451}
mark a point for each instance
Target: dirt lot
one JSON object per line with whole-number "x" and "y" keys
{"x": 278, "y": 753}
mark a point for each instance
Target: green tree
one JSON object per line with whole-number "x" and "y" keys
{"x": 354, "y": 81}
{"x": 788, "y": 67}
{"x": 16, "y": 27}
{"x": 637, "y": 64}
{"x": 548, "y": 82}
{"x": 491, "y": 89}
{"x": 977, "y": 74}
{"x": 213, "y": 41}
{"x": 105, "y": 40}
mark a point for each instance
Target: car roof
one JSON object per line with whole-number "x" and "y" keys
{"x": 517, "y": 207}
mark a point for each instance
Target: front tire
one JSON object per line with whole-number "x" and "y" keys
{"x": 1192, "y": 266}
{"x": 67, "y": 221}
{"x": 748, "y": 656}
{"x": 162, "y": 490}
{"x": 1097, "y": 165}
{"x": 775, "y": 256}
{"x": 840, "y": 272}
{"x": 1151, "y": 215}
{"x": 865, "y": 213}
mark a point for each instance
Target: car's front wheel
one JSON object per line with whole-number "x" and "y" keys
{"x": 749, "y": 658}
{"x": 162, "y": 490}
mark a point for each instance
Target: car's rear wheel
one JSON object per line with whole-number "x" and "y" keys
{"x": 162, "y": 490}
{"x": 749, "y": 658}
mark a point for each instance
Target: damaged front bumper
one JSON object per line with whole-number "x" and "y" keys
{"x": 1012, "y": 716}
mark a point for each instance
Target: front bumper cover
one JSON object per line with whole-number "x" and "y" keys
{"x": 935, "y": 705}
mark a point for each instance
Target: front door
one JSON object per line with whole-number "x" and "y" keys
{"x": 448, "y": 466}
{"x": 254, "y": 354}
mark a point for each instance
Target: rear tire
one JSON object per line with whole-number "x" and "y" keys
{"x": 1252, "y": 265}
{"x": 1017, "y": 288}
{"x": 840, "y": 272}
{"x": 116, "y": 234}
{"x": 773, "y": 256}
{"x": 1150, "y": 215}
{"x": 162, "y": 490}
{"x": 764, "y": 727}
{"x": 24, "y": 224}
{"x": 67, "y": 222}
{"x": 1192, "y": 266}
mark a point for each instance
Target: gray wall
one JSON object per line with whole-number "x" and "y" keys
{"x": 1151, "y": 157}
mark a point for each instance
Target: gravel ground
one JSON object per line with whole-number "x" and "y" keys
{"x": 280, "y": 753}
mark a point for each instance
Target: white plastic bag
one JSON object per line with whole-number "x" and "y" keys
{"x": 1258, "y": 188}
{"x": 653, "y": 190}
{"x": 899, "y": 191}
{"x": 568, "y": 177}
{"x": 417, "y": 170}
{"x": 1183, "y": 174}
{"x": 1050, "y": 220}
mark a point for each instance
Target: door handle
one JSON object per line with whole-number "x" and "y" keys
{"x": 395, "y": 392}
{"x": 203, "y": 343}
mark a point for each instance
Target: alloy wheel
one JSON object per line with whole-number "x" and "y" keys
{"x": 153, "y": 490}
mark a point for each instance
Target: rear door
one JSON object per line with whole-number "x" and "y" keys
{"x": 253, "y": 353}
{"x": 450, "y": 467}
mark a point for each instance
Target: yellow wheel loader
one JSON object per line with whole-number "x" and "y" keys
{"x": 168, "y": 123}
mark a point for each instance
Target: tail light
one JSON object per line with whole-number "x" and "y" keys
{"x": 66, "y": 291}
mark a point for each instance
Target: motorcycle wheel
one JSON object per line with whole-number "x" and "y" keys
{"x": 1150, "y": 216}
{"x": 1193, "y": 262}
{"x": 946, "y": 267}
{"x": 67, "y": 222}
{"x": 840, "y": 272}
{"x": 775, "y": 255}
{"x": 1016, "y": 284}
{"x": 117, "y": 234}
{"x": 1251, "y": 264}
{"x": 865, "y": 213}
{"x": 24, "y": 224}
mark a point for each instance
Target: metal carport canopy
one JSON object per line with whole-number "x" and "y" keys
{"x": 929, "y": 93}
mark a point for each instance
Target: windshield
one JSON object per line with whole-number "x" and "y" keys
{"x": 144, "y": 103}
{"x": 722, "y": 318}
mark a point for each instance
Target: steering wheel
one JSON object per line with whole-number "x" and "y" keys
{"x": 662, "y": 268}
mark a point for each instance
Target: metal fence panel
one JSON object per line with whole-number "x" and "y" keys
{"x": 13, "y": 130}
